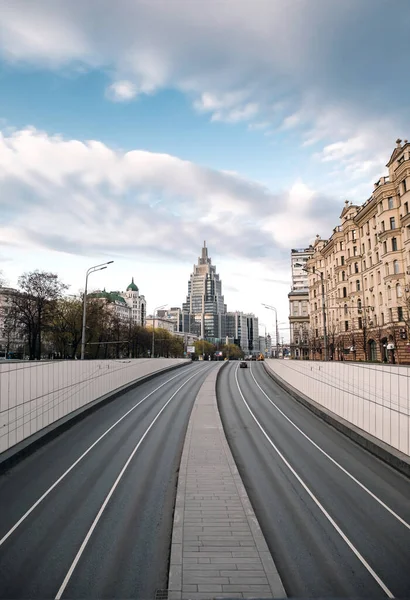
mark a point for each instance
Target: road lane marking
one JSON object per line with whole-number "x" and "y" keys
{"x": 112, "y": 490}
{"x": 60, "y": 479}
{"x": 352, "y": 477}
{"x": 315, "y": 500}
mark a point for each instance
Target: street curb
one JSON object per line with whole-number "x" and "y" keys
{"x": 175, "y": 568}
{"x": 19, "y": 451}
{"x": 396, "y": 459}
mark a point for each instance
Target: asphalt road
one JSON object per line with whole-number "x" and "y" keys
{"x": 327, "y": 534}
{"x": 101, "y": 532}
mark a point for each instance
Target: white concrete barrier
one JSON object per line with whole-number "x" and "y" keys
{"x": 375, "y": 398}
{"x": 34, "y": 395}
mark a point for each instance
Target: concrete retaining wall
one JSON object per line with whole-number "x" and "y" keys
{"x": 34, "y": 395}
{"x": 374, "y": 398}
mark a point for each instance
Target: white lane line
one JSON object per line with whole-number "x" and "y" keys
{"x": 60, "y": 479}
{"x": 110, "y": 493}
{"x": 352, "y": 477}
{"x": 315, "y": 500}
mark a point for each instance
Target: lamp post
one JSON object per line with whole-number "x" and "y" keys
{"x": 322, "y": 280}
{"x": 89, "y": 271}
{"x": 153, "y": 328}
{"x": 276, "y": 326}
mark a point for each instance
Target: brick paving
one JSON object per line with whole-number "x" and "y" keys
{"x": 218, "y": 549}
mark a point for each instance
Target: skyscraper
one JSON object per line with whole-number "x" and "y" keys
{"x": 205, "y": 305}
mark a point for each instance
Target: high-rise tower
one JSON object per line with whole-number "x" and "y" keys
{"x": 205, "y": 302}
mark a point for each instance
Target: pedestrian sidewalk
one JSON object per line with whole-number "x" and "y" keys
{"x": 218, "y": 549}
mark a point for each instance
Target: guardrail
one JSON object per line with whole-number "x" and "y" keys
{"x": 375, "y": 398}
{"x": 34, "y": 395}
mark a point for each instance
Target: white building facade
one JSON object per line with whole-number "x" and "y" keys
{"x": 299, "y": 303}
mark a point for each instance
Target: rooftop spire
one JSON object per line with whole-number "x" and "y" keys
{"x": 204, "y": 258}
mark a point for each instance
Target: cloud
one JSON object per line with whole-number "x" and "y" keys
{"x": 237, "y": 61}
{"x": 121, "y": 91}
{"x": 83, "y": 197}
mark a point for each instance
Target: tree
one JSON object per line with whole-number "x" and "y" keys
{"x": 204, "y": 347}
{"x": 33, "y": 305}
{"x": 232, "y": 351}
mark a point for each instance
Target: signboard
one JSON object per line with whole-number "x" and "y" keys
{"x": 191, "y": 349}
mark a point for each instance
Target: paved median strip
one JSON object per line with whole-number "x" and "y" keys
{"x": 218, "y": 548}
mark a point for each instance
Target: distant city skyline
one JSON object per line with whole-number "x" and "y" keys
{"x": 135, "y": 137}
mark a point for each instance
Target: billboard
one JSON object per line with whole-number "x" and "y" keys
{"x": 191, "y": 349}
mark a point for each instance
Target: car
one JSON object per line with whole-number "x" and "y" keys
{"x": 243, "y": 365}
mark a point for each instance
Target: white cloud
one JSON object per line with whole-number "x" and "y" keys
{"x": 121, "y": 91}
{"x": 75, "y": 196}
{"x": 236, "y": 61}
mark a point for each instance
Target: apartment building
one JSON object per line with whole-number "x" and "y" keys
{"x": 299, "y": 303}
{"x": 362, "y": 273}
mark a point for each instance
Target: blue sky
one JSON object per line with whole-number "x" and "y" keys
{"x": 134, "y": 130}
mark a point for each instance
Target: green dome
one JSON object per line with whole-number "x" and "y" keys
{"x": 132, "y": 287}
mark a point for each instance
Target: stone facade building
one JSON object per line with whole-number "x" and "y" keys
{"x": 128, "y": 306}
{"x": 365, "y": 266}
{"x": 299, "y": 304}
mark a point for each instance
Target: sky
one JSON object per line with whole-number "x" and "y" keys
{"x": 134, "y": 130}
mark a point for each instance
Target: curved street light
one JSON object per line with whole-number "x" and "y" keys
{"x": 100, "y": 267}
{"x": 269, "y": 307}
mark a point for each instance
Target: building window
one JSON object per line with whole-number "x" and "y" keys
{"x": 392, "y": 223}
{"x": 354, "y": 250}
{"x": 341, "y": 245}
{"x": 315, "y": 305}
{"x": 359, "y": 305}
{"x": 382, "y": 318}
{"x": 344, "y": 292}
{"x": 372, "y": 279}
{"x": 365, "y": 283}
{"x": 343, "y": 275}
{"x": 404, "y": 186}
{"x": 384, "y": 247}
{"x": 390, "y": 315}
{"x": 390, "y": 202}
{"x": 342, "y": 260}
{"x": 377, "y": 257}
{"x": 357, "y": 285}
{"x": 406, "y": 208}
{"x": 396, "y": 267}
{"x": 383, "y": 227}
{"x": 380, "y": 207}
{"x": 370, "y": 243}
{"x": 316, "y": 332}
{"x": 346, "y": 325}
{"x": 353, "y": 234}
{"x": 388, "y": 292}
{"x": 386, "y": 269}
{"x": 345, "y": 309}
{"x": 360, "y": 323}
{"x": 394, "y": 244}
{"x": 370, "y": 261}
{"x": 363, "y": 249}
{"x": 400, "y": 313}
{"x": 356, "y": 267}
{"x": 399, "y": 292}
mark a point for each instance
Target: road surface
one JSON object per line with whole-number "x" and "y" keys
{"x": 101, "y": 531}
{"x": 332, "y": 532}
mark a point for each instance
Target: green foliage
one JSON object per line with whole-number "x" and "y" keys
{"x": 232, "y": 351}
{"x": 204, "y": 347}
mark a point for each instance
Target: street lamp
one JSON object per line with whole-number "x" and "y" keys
{"x": 89, "y": 271}
{"x": 153, "y": 327}
{"x": 276, "y": 326}
{"x": 323, "y": 302}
